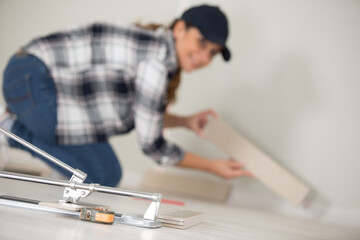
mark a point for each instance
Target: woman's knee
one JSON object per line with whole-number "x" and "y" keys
{"x": 115, "y": 178}
{"x": 112, "y": 176}
{"x": 104, "y": 166}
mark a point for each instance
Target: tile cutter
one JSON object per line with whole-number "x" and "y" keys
{"x": 76, "y": 189}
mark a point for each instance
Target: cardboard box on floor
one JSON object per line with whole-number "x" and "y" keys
{"x": 263, "y": 167}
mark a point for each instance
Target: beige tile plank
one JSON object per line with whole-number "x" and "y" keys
{"x": 186, "y": 185}
{"x": 262, "y": 166}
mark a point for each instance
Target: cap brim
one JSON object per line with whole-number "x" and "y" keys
{"x": 226, "y": 53}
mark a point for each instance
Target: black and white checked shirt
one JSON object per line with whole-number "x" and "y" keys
{"x": 109, "y": 79}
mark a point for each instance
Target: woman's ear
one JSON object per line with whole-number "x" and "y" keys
{"x": 179, "y": 29}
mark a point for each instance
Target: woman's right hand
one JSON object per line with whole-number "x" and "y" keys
{"x": 198, "y": 121}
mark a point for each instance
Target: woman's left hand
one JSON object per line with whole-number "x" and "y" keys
{"x": 198, "y": 121}
{"x": 228, "y": 169}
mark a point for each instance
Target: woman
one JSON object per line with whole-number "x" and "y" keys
{"x": 68, "y": 92}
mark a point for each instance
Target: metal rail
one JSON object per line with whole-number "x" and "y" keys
{"x": 83, "y": 186}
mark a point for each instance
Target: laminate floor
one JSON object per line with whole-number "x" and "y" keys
{"x": 220, "y": 221}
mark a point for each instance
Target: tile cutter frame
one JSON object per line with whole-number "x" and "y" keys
{"x": 75, "y": 189}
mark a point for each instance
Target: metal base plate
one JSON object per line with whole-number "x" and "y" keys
{"x": 137, "y": 220}
{"x": 72, "y": 206}
{"x": 129, "y": 219}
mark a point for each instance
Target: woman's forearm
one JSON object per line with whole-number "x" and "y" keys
{"x": 196, "y": 162}
{"x": 171, "y": 120}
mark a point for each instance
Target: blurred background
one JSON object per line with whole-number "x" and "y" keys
{"x": 292, "y": 86}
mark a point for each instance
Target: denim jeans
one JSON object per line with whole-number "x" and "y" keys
{"x": 30, "y": 94}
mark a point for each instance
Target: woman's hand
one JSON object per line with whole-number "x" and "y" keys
{"x": 228, "y": 169}
{"x": 198, "y": 121}
{"x": 223, "y": 168}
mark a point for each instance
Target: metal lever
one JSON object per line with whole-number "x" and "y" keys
{"x": 81, "y": 176}
{"x": 70, "y": 194}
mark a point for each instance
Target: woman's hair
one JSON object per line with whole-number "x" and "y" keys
{"x": 175, "y": 81}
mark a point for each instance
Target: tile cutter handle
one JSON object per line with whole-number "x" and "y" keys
{"x": 81, "y": 176}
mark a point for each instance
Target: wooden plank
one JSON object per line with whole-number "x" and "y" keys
{"x": 262, "y": 166}
{"x": 185, "y": 185}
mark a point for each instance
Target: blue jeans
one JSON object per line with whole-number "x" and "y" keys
{"x": 30, "y": 94}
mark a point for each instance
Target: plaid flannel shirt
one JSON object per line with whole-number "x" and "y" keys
{"x": 109, "y": 79}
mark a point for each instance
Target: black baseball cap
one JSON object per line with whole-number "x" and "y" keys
{"x": 212, "y": 23}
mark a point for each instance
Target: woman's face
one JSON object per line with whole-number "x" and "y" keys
{"x": 193, "y": 50}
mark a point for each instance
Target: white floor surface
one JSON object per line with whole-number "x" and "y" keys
{"x": 220, "y": 221}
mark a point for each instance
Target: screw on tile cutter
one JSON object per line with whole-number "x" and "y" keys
{"x": 75, "y": 189}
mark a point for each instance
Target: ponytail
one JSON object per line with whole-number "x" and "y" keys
{"x": 175, "y": 81}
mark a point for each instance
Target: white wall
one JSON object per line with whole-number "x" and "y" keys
{"x": 292, "y": 86}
